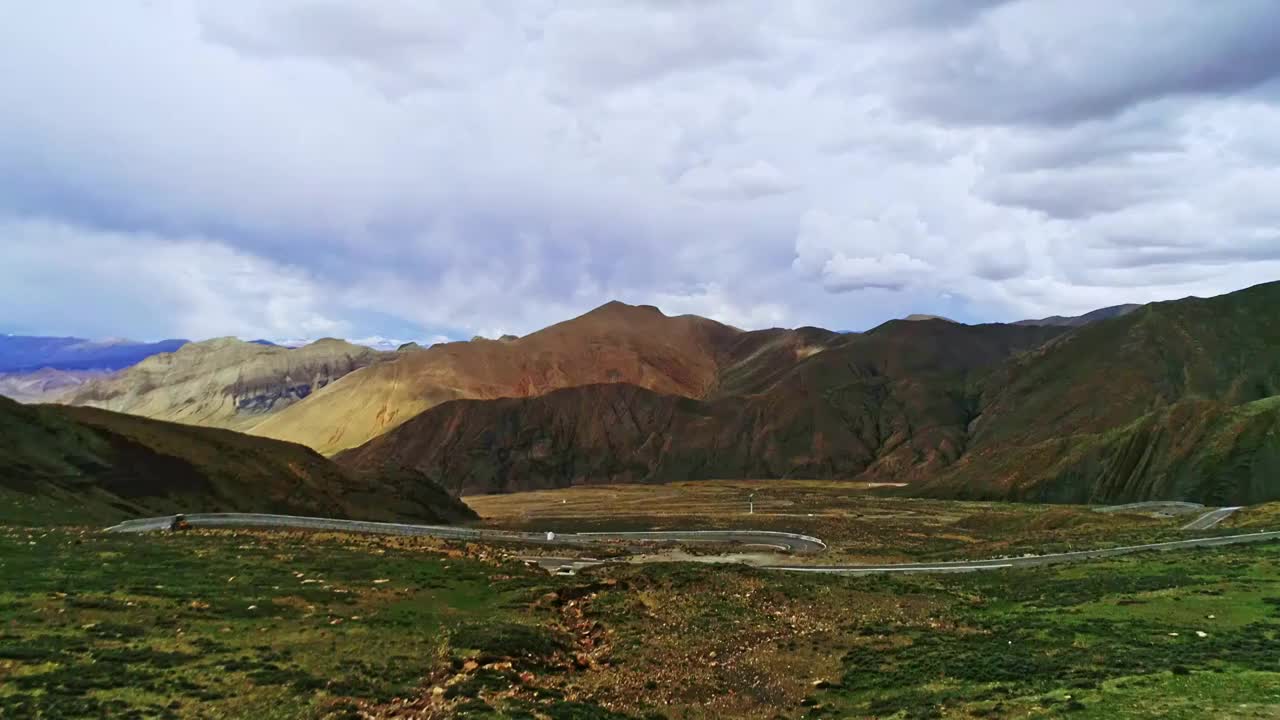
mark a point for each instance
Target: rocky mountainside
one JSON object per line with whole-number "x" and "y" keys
{"x": 27, "y": 353}
{"x": 685, "y": 356}
{"x": 90, "y": 465}
{"x": 223, "y": 382}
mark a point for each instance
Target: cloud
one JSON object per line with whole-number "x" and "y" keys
{"x": 757, "y": 180}
{"x": 604, "y": 46}
{"x": 1065, "y": 61}
{"x": 63, "y": 279}
{"x": 417, "y": 169}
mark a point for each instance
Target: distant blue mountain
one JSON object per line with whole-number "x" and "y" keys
{"x": 24, "y": 353}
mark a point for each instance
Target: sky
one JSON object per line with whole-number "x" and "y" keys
{"x": 411, "y": 169}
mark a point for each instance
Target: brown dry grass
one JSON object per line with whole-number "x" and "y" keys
{"x": 855, "y": 523}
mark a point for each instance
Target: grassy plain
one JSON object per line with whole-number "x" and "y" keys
{"x": 294, "y": 625}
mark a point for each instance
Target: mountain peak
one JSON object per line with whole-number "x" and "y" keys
{"x": 617, "y": 306}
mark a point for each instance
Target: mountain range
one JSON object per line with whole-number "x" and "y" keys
{"x": 25, "y": 353}
{"x": 1173, "y": 400}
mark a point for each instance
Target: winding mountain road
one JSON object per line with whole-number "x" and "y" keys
{"x": 786, "y": 542}
{"x": 1210, "y": 519}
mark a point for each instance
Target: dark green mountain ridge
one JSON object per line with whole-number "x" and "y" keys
{"x": 86, "y": 464}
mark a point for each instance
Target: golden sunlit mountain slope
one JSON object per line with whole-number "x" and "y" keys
{"x": 686, "y": 356}
{"x": 223, "y": 382}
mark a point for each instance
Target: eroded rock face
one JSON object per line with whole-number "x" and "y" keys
{"x": 223, "y": 382}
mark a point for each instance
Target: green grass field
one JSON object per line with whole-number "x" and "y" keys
{"x": 294, "y": 625}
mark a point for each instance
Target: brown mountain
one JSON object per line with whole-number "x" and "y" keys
{"x": 686, "y": 356}
{"x": 224, "y": 382}
{"x": 1174, "y": 400}
{"x": 892, "y": 402}
{"x": 66, "y": 464}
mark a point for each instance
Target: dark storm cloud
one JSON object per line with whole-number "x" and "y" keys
{"x": 1060, "y": 63}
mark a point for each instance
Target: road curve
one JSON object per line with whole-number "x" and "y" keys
{"x": 1210, "y": 519}
{"x": 1169, "y": 507}
{"x": 553, "y": 564}
{"x": 786, "y": 542}
{"x": 1032, "y": 560}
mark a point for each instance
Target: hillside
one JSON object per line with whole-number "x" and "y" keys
{"x": 686, "y": 356}
{"x": 1174, "y": 400}
{"x": 26, "y": 353}
{"x": 1109, "y": 374}
{"x": 223, "y": 382}
{"x": 891, "y": 402}
{"x": 1194, "y": 449}
{"x": 89, "y": 465}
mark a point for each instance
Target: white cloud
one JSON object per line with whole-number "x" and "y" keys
{"x": 189, "y": 287}
{"x": 311, "y": 167}
{"x": 757, "y": 180}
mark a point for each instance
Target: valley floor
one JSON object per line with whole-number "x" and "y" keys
{"x": 857, "y": 524}
{"x": 255, "y": 624}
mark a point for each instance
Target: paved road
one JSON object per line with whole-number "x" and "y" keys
{"x": 1034, "y": 560}
{"x": 575, "y": 564}
{"x": 786, "y": 542}
{"x": 1209, "y": 519}
{"x": 776, "y": 540}
{"x": 1167, "y": 507}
